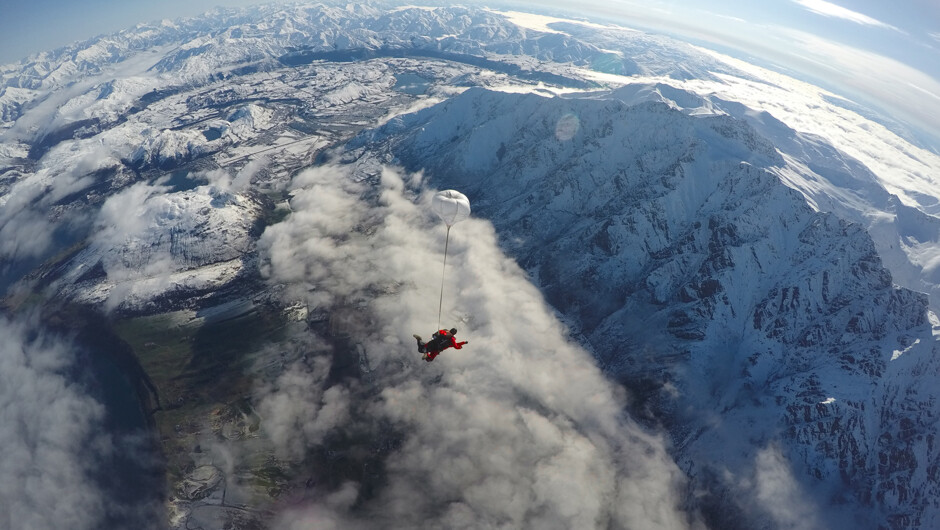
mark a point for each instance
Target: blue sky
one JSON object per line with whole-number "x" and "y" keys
{"x": 887, "y": 53}
{"x": 882, "y": 54}
{"x": 31, "y": 26}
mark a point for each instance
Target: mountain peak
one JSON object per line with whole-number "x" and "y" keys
{"x": 692, "y": 271}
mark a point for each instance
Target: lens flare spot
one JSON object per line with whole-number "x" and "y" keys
{"x": 567, "y": 127}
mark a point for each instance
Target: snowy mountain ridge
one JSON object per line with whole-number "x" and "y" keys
{"x": 232, "y": 42}
{"x": 906, "y": 236}
{"x": 694, "y": 272}
{"x": 731, "y": 266}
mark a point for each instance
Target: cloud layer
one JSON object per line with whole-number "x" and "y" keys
{"x": 517, "y": 430}
{"x": 50, "y": 432}
{"x": 828, "y": 9}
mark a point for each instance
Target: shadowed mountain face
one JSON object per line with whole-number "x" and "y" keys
{"x": 758, "y": 330}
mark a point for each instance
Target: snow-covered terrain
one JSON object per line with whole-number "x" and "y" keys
{"x": 698, "y": 293}
{"x": 693, "y": 272}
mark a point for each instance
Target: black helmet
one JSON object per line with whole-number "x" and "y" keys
{"x": 453, "y": 331}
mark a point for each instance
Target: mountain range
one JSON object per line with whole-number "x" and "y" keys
{"x": 687, "y": 307}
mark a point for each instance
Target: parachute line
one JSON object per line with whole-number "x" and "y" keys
{"x": 440, "y": 304}
{"x": 452, "y": 207}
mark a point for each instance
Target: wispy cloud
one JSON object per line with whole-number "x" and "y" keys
{"x": 28, "y": 217}
{"x": 828, "y": 9}
{"x": 519, "y": 429}
{"x": 899, "y": 87}
{"x": 146, "y": 237}
{"x": 51, "y": 434}
{"x": 300, "y": 408}
{"x": 780, "y": 493}
{"x": 904, "y": 93}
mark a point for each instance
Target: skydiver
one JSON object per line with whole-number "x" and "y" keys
{"x": 441, "y": 340}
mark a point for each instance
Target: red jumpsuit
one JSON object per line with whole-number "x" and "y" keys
{"x": 441, "y": 341}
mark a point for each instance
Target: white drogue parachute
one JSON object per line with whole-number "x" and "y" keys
{"x": 452, "y": 207}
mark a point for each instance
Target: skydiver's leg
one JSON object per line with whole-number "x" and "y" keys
{"x": 421, "y": 345}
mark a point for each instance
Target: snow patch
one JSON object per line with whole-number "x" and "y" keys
{"x": 898, "y": 353}
{"x": 934, "y": 323}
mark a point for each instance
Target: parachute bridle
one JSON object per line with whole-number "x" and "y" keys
{"x": 451, "y": 206}
{"x": 440, "y": 304}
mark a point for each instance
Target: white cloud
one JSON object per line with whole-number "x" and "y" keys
{"x": 781, "y": 495}
{"x": 123, "y": 227}
{"x": 828, "y": 9}
{"x": 147, "y": 238}
{"x": 51, "y": 435}
{"x": 898, "y": 86}
{"x": 25, "y": 235}
{"x": 26, "y": 210}
{"x": 242, "y": 179}
{"x": 299, "y": 409}
{"x": 901, "y": 167}
{"x": 24, "y": 232}
{"x": 518, "y": 429}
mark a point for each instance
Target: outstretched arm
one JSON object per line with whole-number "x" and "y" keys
{"x": 455, "y": 344}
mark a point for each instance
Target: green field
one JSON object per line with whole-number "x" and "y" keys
{"x": 203, "y": 375}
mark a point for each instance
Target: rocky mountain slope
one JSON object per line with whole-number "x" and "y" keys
{"x": 750, "y": 321}
{"x": 237, "y": 198}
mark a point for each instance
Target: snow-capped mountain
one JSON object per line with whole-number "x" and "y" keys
{"x": 751, "y": 319}
{"x": 903, "y": 229}
{"x": 239, "y": 196}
